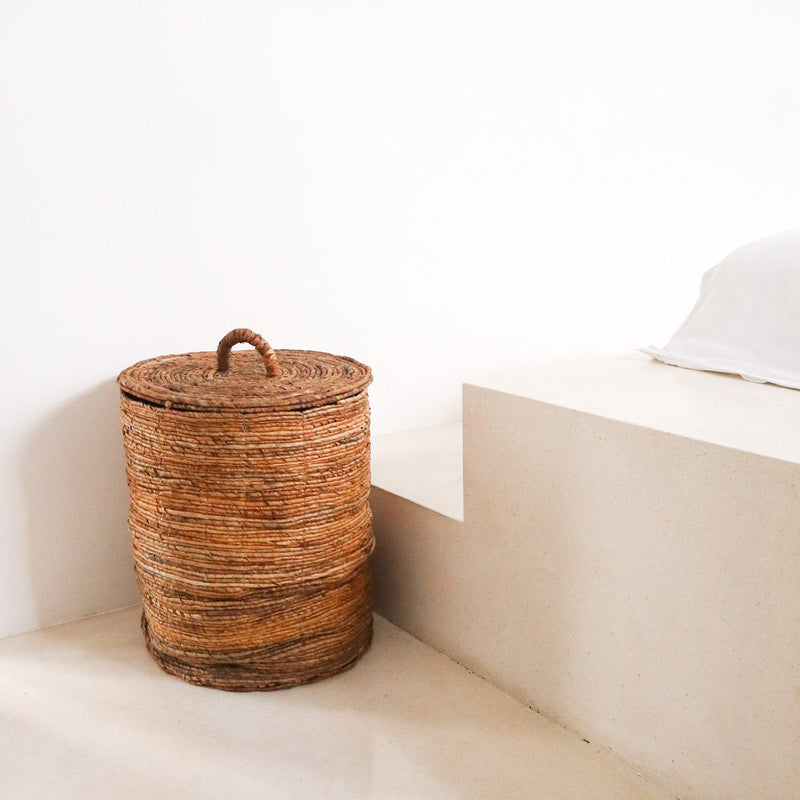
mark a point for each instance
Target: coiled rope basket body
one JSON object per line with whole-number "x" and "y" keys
{"x": 249, "y": 477}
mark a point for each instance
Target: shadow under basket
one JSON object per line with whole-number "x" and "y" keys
{"x": 249, "y": 476}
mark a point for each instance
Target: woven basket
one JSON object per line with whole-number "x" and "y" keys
{"x": 249, "y": 476}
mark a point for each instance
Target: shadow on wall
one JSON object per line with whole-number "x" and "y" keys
{"x": 73, "y": 471}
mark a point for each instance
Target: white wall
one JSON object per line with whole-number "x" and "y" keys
{"x": 438, "y": 188}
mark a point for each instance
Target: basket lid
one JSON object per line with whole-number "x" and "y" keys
{"x": 255, "y": 380}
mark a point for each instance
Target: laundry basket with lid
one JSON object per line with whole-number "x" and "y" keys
{"x": 249, "y": 476}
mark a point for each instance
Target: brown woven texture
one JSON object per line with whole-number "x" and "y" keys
{"x": 249, "y": 478}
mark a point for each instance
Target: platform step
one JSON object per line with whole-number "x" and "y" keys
{"x": 424, "y": 466}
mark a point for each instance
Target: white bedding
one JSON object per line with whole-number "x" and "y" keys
{"x": 747, "y": 318}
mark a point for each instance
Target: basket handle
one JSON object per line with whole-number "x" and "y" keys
{"x": 239, "y": 335}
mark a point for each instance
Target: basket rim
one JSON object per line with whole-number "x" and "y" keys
{"x": 192, "y": 382}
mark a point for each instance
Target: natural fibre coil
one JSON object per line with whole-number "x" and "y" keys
{"x": 249, "y": 477}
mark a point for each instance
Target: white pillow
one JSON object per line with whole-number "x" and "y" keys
{"x": 747, "y": 318}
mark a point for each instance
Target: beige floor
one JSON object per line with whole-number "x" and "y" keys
{"x": 85, "y": 714}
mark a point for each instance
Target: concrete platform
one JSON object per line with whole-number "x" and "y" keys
{"x": 628, "y": 563}
{"x": 707, "y": 406}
